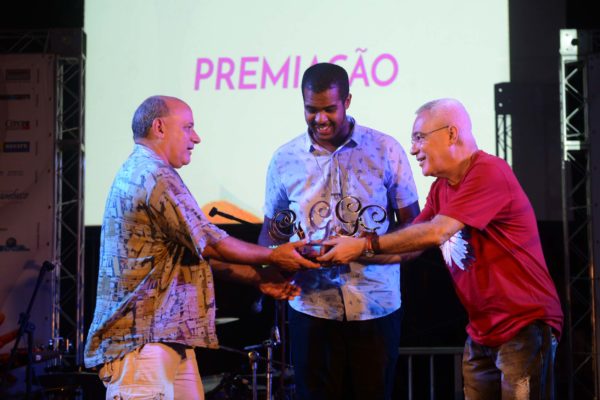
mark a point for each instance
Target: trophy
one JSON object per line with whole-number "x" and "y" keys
{"x": 349, "y": 218}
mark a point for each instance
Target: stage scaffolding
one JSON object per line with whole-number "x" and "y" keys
{"x": 503, "y": 107}
{"x": 580, "y": 138}
{"x": 69, "y": 47}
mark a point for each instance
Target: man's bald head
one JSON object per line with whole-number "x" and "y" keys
{"x": 451, "y": 112}
{"x": 150, "y": 109}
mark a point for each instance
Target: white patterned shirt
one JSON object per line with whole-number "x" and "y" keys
{"x": 153, "y": 285}
{"x": 303, "y": 176}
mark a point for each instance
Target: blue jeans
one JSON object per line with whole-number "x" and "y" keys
{"x": 522, "y": 368}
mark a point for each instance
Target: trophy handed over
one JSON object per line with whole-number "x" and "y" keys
{"x": 347, "y": 218}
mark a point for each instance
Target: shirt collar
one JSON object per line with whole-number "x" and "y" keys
{"x": 146, "y": 151}
{"x": 353, "y": 140}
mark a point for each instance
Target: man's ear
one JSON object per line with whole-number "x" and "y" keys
{"x": 453, "y": 134}
{"x": 348, "y": 101}
{"x": 157, "y": 128}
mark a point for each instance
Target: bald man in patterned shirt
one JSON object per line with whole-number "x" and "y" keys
{"x": 155, "y": 298}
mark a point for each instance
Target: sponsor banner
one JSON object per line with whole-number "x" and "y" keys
{"x": 27, "y": 215}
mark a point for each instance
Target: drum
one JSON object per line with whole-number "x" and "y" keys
{"x": 226, "y": 386}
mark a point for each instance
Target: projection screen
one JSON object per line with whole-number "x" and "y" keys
{"x": 239, "y": 66}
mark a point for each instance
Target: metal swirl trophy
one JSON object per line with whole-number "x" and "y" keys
{"x": 348, "y": 218}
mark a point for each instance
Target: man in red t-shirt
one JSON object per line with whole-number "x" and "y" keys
{"x": 478, "y": 214}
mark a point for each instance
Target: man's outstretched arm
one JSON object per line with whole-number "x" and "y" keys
{"x": 413, "y": 238}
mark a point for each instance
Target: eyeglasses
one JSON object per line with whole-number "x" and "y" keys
{"x": 419, "y": 137}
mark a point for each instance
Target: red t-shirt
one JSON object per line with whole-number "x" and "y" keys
{"x": 496, "y": 260}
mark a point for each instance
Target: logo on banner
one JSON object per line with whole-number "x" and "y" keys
{"x": 12, "y": 245}
{"x": 12, "y": 172}
{"x": 18, "y": 75}
{"x": 16, "y": 147}
{"x": 15, "y": 96}
{"x": 14, "y": 195}
{"x": 14, "y": 125}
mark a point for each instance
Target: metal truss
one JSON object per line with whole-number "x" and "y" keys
{"x": 580, "y": 124}
{"x": 68, "y": 47}
{"x": 22, "y": 42}
{"x": 502, "y": 101}
{"x": 70, "y": 231}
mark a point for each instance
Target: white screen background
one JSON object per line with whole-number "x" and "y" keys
{"x": 139, "y": 48}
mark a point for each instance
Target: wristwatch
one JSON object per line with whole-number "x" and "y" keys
{"x": 372, "y": 247}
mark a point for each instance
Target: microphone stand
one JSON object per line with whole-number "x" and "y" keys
{"x": 273, "y": 341}
{"x": 253, "y": 356}
{"x": 213, "y": 211}
{"x": 280, "y": 321}
{"x": 275, "y": 338}
{"x": 28, "y": 327}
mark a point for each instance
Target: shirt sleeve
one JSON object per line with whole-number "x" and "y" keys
{"x": 401, "y": 187}
{"x": 276, "y": 198}
{"x": 480, "y": 197}
{"x": 425, "y": 215}
{"x": 178, "y": 215}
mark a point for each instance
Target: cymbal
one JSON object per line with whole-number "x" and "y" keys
{"x": 211, "y": 381}
{"x": 287, "y": 373}
{"x": 226, "y": 382}
{"x": 259, "y": 375}
{"x": 224, "y": 320}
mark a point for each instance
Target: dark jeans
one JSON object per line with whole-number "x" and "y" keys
{"x": 522, "y": 368}
{"x": 344, "y": 359}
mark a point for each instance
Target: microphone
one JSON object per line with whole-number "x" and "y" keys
{"x": 48, "y": 266}
{"x": 213, "y": 211}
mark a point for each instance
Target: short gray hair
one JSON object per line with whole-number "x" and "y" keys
{"x": 150, "y": 109}
{"x": 433, "y": 105}
{"x": 452, "y": 111}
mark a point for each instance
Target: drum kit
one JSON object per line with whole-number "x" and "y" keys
{"x": 57, "y": 385}
{"x": 39, "y": 371}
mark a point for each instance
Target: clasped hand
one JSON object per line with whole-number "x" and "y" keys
{"x": 343, "y": 250}
{"x": 287, "y": 257}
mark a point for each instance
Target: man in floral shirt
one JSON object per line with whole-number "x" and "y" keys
{"x": 155, "y": 298}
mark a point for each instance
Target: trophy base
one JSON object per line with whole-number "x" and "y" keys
{"x": 313, "y": 250}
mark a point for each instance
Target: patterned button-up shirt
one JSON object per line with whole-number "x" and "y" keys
{"x": 153, "y": 285}
{"x": 310, "y": 180}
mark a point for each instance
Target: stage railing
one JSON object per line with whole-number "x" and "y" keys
{"x": 421, "y": 365}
